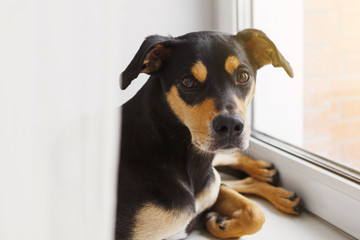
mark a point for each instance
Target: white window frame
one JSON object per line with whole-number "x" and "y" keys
{"x": 328, "y": 190}
{"x": 329, "y": 195}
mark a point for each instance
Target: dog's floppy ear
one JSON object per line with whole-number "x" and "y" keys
{"x": 150, "y": 58}
{"x": 262, "y": 50}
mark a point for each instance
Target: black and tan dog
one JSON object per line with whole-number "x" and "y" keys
{"x": 189, "y": 117}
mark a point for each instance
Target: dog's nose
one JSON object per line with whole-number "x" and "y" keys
{"x": 227, "y": 125}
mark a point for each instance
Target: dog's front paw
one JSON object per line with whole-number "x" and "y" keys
{"x": 286, "y": 201}
{"x": 264, "y": 171}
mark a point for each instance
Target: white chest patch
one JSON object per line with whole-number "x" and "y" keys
{"x": 180, "y": 235}
{"x": 203, "y": 201}
{"x": 208, "y": 196}
{"x": 153, "y": 222}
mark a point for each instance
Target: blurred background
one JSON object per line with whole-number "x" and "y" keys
{"x": 332, "y": 79}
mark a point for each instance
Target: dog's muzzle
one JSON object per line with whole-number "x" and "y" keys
{"x": 228, "y": 126}
{"x": 229, "y": 133}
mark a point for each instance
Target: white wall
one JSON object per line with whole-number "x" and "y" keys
{"x": 59, "y": 65}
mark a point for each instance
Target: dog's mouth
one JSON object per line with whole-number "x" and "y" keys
{"x": 224, "y": 145}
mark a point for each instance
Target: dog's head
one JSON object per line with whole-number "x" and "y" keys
{"x": 208, "y": 79}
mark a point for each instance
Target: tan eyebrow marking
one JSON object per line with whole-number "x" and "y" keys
{"x": 231, "y": 64}
{"x": 199, "y": 71}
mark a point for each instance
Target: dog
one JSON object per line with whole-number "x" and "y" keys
{"x": 189, "y": 117}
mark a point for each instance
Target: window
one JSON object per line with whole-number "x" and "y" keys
{"x": 331, "y": 80}
{"x": 318, "y": 110}
{"x": 325, "y": 95}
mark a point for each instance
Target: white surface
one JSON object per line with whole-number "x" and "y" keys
{"x": 58, "y": 64}
{"x": 281, "y": 226}
{"x": 225, "y": 16}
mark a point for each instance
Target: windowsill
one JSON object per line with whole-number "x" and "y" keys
{"x": 280, "y": 226}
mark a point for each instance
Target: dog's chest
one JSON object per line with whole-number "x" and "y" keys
{"x": 207, "y": 197}
{"x": 203, "y": 200}
{"x": 154, "y": 222}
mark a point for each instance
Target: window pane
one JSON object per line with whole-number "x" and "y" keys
{"x": 329, "y": 77}
{"x": 332, "y": 79}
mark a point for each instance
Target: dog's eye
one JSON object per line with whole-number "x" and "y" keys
{"x": 242, "y": 77}
{"x": 188, "y": 82}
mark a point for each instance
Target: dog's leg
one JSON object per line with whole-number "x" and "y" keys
{"x": 233, "y": 215}
{"x": 261, "y": 173}
{"x": 261, "y": 170}
{"x": 282, "y": 199}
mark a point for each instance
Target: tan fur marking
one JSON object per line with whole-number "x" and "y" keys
{"x": 155, "y": 58}
{"x": 260, "y": 49}
{"x": 241, "y": 106}
{"x": 227, "y": 159}
{"x": 197, "y": 118}
{"x": 256, "y": 169}
{"x": 199, "y": 71}
{"x": 245, "y": 217}
{"x": 154, "y": 223}
{"x": 242, "y": 110}
{"x": 256, "y": 184}
{"x": 231, "y": 64}
{"x": 278, "y": 196}
{"x": 251, "y": 94}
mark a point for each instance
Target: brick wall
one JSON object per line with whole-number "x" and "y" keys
{"x": 332, "y": 79}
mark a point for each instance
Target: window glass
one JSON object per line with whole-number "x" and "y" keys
{"x": 320, "y": 109}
